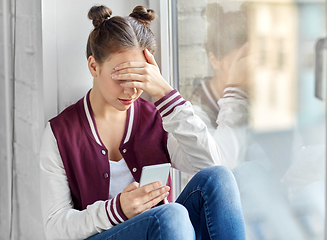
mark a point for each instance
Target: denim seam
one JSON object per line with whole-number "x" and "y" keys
{"x": 158, "y": 226}
{"x": 204, "y": 196}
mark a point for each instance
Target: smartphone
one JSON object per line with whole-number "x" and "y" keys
{"x": 153, "y": 173}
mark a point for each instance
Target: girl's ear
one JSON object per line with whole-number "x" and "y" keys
{"x": 214, "y": 61}
{"x": 93, "y": 66}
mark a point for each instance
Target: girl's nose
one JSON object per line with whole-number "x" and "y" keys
{"x": 130, "y": 91}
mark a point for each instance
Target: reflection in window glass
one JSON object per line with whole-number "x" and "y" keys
{"x": 247, "y": 69}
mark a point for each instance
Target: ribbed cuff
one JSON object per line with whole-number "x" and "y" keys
{"x": 167, "y": 104}
{"x": 235, "y": 92}
{"x": 114, "y": 212}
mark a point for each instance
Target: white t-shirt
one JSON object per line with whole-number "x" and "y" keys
{"x": 120, "y": 177}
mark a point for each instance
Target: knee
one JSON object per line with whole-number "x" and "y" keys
{"x": 217, "y": 173}
{"x": 174, "y": 218}
{"x": 176, "y": 213}
{"x": 216, "y": 177}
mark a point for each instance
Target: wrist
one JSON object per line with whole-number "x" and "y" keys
{"x": 163, "y": 92}
{"x": 169, "y": 102}
{"x": 235, "y": 91}
{"x": 114, "y": 211}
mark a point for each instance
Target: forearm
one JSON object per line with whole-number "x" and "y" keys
{"x": 61, "y": 220}
{"x": 230, "y": 127}
{"x": 190, "y": 145}
{"x": 68, "y": 223}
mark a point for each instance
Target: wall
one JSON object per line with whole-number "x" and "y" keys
{"x": 31, "y": 102}
{"x": 28, "y": 120}
{"x": 4, "y": 187}
{"x": 193, "y": 60}
{"x": 28, "y": 125}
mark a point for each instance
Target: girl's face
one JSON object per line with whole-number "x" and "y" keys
{"x": 108, "y": 90}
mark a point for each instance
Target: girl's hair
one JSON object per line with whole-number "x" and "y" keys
{"x": 115, "y": 34}
{"x": 226, "y": 31}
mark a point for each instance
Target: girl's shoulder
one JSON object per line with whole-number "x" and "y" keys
{"x": 69, "y": 116}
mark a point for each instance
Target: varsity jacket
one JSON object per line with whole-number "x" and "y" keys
{"x": 74, "y": 163}
{"x": 227, "y": 121}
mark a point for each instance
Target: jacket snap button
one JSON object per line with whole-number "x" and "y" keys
{"x": 124, "y": 150}
{"x": 103, "y": 152}
{"x": 105, "y": 175}
{"x": 134, "y": 169}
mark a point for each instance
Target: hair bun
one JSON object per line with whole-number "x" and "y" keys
{"x": 214, "y": 12}
{"x": 98, "y": 14}
{"x": 143, "y": 14}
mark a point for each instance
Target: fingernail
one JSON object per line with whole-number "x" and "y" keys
{"x": 113, "y": 75}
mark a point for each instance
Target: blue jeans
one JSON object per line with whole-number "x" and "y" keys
{"x": 209, "y": 207}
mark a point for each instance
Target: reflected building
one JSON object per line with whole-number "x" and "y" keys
{"x": 285, "y": 120}
{"x": 273, "y": 36}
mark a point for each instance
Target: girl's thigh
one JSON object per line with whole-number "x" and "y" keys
{"x": 168, "y": 221}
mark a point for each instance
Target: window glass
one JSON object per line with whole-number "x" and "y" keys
{"x": 248, "y": 69}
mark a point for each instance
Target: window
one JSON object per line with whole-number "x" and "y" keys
{"x": 274, "y": 140}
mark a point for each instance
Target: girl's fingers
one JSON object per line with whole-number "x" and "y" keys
{"x": 138, "y": 70}
{"x": 153, "y": 194}
{"x": 135, "y": 73}
{"x": 135, "y": 201}
{"x": 149, "y": 57}
{"x": 130, "y": 65}
{"x": 138, "y": 85}
{"x": 151, "y": 191}
{"x": 151, "y": 186}
{"x": 155, "y": 201}
{"x": 128, "y": 77}
{"x": 129, "y": 74}
{"x": 242, "y": 52}
{"x": 153, "y": 197}
{"x": 142, "y": 75}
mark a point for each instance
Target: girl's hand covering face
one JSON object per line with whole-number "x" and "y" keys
{"x": 143, "y": 75}
{"x": 135, "y": 200}
{"x": 241, "y": 67}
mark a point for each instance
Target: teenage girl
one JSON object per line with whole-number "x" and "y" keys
{"x": 92, "y": 153}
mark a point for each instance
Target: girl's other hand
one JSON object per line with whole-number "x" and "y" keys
{"x": 135, "y": 200}
{"x": 240, "y": 68}
{"x": 143, "y": 75}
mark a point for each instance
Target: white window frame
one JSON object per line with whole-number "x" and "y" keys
{"x": 167, "y": 56}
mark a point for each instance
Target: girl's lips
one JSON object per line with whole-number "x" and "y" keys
{"x": 126, "y": 101}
